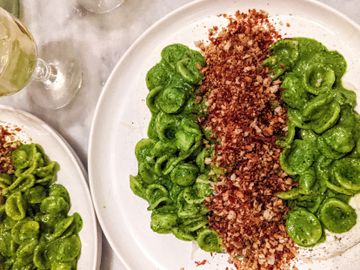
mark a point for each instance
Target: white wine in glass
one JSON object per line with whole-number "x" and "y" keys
{"x": 19, "y": 65}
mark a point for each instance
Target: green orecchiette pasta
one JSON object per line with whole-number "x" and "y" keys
{"x": 173, "y": 161}
{"x": 284, "y": 55}
{"x": 24, "y": 230}
{"x": 347, "y": 173}
{"x": 304, "y": 227}
{"x": 172, "y": 99}
{"x": 322, "y": 147}
{"x": 36, "y": 231}
{"x": 163, "y": 222}
{"x": 319, "y": 78}
{"x": 15, "y": 206}
{"x": 209, "y": 241}
{"x": 337, "y": 216}
{"x": 184, "y": 174}
{"x": 298, "y": 158}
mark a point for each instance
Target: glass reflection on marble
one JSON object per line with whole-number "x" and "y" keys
{"x": 100, "y": 6}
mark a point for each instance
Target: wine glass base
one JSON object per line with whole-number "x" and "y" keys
{"x": 100, "y": 6}
{"x": 64, "y": 82}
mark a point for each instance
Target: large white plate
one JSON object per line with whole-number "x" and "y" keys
{"x": 71, "y": 175}
{"x": 122, "y": 117}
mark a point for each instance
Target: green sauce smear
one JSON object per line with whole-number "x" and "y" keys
{"x": 173, "y": 176}
{"x": 322, "y": 148}
{"x": 36, "y": 231}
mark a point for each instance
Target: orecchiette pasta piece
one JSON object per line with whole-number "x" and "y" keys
{"x": 157, "y": 76}
{"x": 291, "y": 194}
{"x": 284, "y": 54}
{"x": 64, "y": 249}
{"x": 15, "y": 206}
{"x": 5, "y": 180}
{"x": 347, "y": 173}
{"x": 161, "y": 148}
{"x": 307, "y": 180}
{"x": 340, "y": 139}
{"x": 138, "y": 186}
{"x": 286, "y": 141}
{"x": 194, "y": 224}
{"x": 36, "y": 194}
{"x": 66, "y": 227}
{"x": 21, "y": 183}
{"x": 337, "y": 216}
{"x": 54, "y": 205}
{"x": 189, "y": 70}
{"x": 40, "y": 258}
{"x": 321, "y": 113}
{"x": 147, "y": 172}
{"x": 24, "y": 254}
{"x": 307, "y": 48}
{"x": 297, "y": 158}
{"x": 59, "y": 190}
{"x": 319, "y": 78}
{"x": 157, "y": 195}
{"x": 327, "y": 150}
{"x": 7, "y": 245}
{"x": 183, "y": 234}
{"x": 209, "y": 241}
{"x": 172, "y": 99}
{"x": 191, "y": 197}
{"x": 49, "y": 169}
{"x": 309, "y": 202}
{"x": 151, "y": 132}
{"x": 163, "y": 222}
{"x": 184, "y": 209}
{"x": 151, "y": 99}
{"x": 295, "y": 119}
{"x": 205, "y": 153}
{"x": 303, "y": 227}
{"x": 308, "y": 135}
{"x": 294, "y": 94}
{"x": 174, "y": 53}
{"x": 25, "y": 230}
{"x": 166, "y": 126}
{"x": 184, "y": 174}
{"x": 23, "y": 156}
{"x": 345, "y": 97}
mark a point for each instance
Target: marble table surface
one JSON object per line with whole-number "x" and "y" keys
{"x": 99, "y": 42}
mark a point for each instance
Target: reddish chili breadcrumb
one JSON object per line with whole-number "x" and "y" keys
{"x": 200, "y": 263}
{"x": 7, "y": 146}
{"x": 246, "y": 116}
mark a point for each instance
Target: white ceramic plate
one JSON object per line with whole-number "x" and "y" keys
{"x": 121, "y": 119}
{"x": 72, "y": 175}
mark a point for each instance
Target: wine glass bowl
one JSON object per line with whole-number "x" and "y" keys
{"x": 17, "y": 54}
{"x": 57, "y": 82}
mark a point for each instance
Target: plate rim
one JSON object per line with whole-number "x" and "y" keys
{"x": 106, "y": 89}
{"x": 79, "y": 167}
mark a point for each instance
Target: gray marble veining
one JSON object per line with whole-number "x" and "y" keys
{"x": 98, "y": 42}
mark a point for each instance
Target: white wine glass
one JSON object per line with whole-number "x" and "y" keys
{"x": 57, "y": 82}
{"x": 100, "y": 6}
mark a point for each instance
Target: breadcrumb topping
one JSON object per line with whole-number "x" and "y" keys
{"x": 246, "y": 116}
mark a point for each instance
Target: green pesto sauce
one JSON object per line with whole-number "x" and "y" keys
{"x": 173, "y": 176}
{"x": 322, "y": 148}
{"x": 36, "y": 231}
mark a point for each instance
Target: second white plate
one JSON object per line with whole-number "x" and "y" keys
{"x": 72, "y": 175}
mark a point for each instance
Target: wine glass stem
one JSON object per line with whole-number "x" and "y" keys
{"x": 44, "y": 72}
